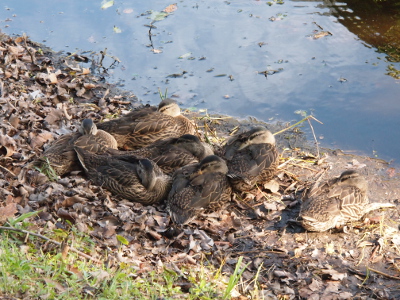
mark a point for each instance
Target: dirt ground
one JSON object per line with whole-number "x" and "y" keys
{"x": 44, "y": 96}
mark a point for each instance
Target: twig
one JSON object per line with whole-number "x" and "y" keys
{"x": 315, "y": 138}
{"x": 7, "y": 170}
{"x": 383, "y": 274}
{"x": 50, "y": 240}
{"x": 26, "y": 48}
{"x": 299, "y": 122}
{"x": 64, "y": 109}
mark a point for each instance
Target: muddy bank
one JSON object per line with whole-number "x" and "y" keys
{"x": 44, "y": 95}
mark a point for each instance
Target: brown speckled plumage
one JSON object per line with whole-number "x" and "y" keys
{"x": 169, "y": 154}
{"x": 337, "y": 201}
{"x": 139, "y": 180}
{"x": 147, "y": 125}
{"x": 251, "y": 158}
{"x": 61, "y": 154}
{"x": 199, "y": 186}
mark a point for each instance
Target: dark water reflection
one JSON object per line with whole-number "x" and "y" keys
{"x": 341, "y": 77}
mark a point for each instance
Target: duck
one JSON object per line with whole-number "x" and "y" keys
{"x": 198, "y": 186}
{"x": 169, "y": 154}
{"x": 252, "y": 158}
{"x": 337, "y": 201}
{"x": 61, "y": 156}
{"x": 148, "y": 124}
{"x": 139, "y": 180}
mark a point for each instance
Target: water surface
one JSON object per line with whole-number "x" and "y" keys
{"x": 347, "y": 78}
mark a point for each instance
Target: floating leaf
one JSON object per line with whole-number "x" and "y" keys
{"x": 106, "y": 4}
{"x": 158, "y": 15}
{"x": 185, "y": 55}
{"x": 171, "y": 8}
{"x": 127, "y": 11}
{"x": 117, "y": 29}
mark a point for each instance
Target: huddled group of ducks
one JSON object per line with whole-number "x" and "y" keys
{"x": 153, "y": 154}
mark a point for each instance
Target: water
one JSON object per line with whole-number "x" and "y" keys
{"x": 341, "y": 78}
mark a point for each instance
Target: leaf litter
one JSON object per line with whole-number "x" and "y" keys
{"x": 44, "y": 96}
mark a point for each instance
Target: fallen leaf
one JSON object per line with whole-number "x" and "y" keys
{"x": 158, "y": 15}
{"x": 272, "y": 186}
{"x": 53, "y": 78}
{"x": 117, "y": 29}
{"x": 106, "y": 4}
{"x": 8, "y": 145}
{"x": 127, "y": 11}
{"x": 7, "y": 212}
{"x": 171, "y": 8}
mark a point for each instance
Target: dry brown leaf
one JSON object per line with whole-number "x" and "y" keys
{"x": 7, "y": 145}
{"x": 272, "y": 186}
{"x": 7, "y": 212}
{"x": 40, "y": 139}
{"x": 171, "y": 8}
{"x": 89, "y": 86}
{"x": 54, "y": 116}
{"x": 14, "y": 120}
{"x": 53, "y": 78}
{"x": 54, "y": 283}
{"x": 85, "y": 71}
{"x": 70, "y": 201}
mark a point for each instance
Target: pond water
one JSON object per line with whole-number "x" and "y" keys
{"x": 337, "y": 60}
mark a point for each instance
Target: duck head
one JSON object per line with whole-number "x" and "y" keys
{"x": 169, "y": 107}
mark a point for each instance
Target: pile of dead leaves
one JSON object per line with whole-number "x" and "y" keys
{"x": 44, "y": 96}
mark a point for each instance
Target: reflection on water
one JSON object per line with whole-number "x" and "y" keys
{"x": 340, "y": 76}
{"x": 375, "y": 22}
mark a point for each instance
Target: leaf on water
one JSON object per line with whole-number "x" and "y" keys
{"x": 122, "y": 240}
{"x": 158, "y": 15}
{"x": 185, "y": 55}
{"x": 156, "y": 51}
{"x": 171, "y": 8}
{"x": 106, "y": 4}
{"x": 127, "y": 11}
{"x": 117, "y": 29}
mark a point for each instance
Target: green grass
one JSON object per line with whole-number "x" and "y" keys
{"x": 30, "y": 269}
{"x": 46, "y": 169}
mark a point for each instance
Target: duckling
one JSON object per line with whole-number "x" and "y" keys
{"x": 198, "y": 186}
{"x": 147, "y": 125}
{"x": 139, "y": 180}
{"x": 251, "y": 158}
{"x": 61, "y": 154}
{"x": 336, "y": 202}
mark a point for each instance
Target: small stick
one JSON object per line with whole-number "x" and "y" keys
{"x": 315, "y": 138}
{"x": 299, "y": 122}
{"x": 383, "y": 274}
{"x": 7, "y": 170}
{"x": 26, "y": 48}
{"x": 50, "y": 240}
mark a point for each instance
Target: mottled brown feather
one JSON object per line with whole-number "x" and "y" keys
{"x": 198, "y": 186}
{"x": 139, "y": 180}
{"x": 335, "y": 202}
{"x": 251, "y": 160}
{"x": 61, "y": 154}
{"x": 147, "y": 125}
